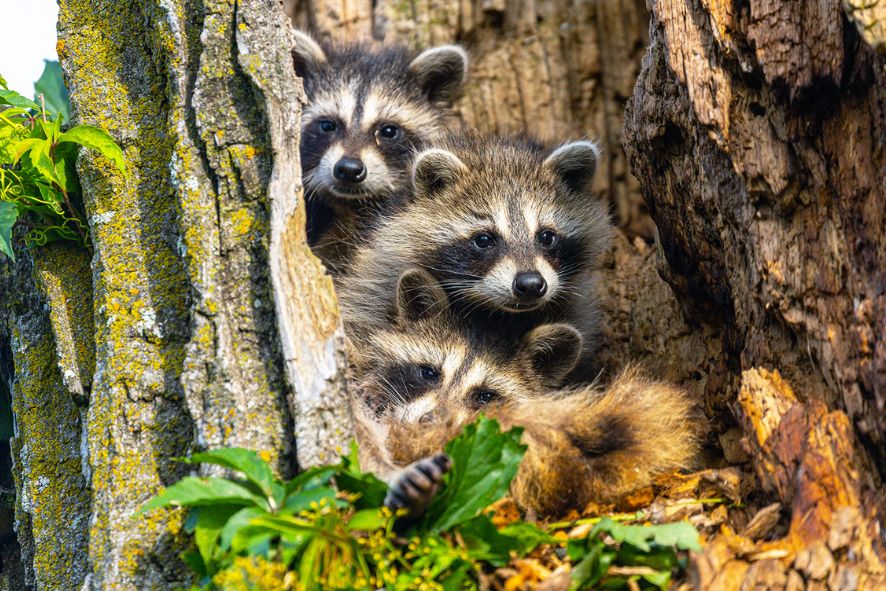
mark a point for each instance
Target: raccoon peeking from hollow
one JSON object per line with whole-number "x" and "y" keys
{"x": 509, "y": 228}
{"x": 422, "y": 378}
{"x": 369, "y": 110}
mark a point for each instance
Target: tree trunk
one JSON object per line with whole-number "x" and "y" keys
{"x": 757, "y": 130}
{"x": 173, "y": 337}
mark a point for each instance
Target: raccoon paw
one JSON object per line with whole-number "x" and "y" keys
{"x": 415, "y": 486}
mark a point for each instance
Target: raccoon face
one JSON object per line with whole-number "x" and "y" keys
{"x": 428, "y": 361}
{"x": 368, "y": 111}
{"x": 517, "y": 230}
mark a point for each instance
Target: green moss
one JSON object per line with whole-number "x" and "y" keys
{"x": 52, "y": 490}
{"x": 63, "y": 275}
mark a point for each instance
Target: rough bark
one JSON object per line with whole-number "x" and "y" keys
{"x": 758, "y": 136}
{"x": 757, "y": 131}
{"x": 167, "y": 341}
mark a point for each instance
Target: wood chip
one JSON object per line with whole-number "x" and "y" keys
{"x": 762, "y": 524}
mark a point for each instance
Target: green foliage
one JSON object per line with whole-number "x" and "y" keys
{"x": 52, "y": 86}
{"x": 326, "y": 528}
{"x": 8, "y": 215}
{"x": 483, "y": 466}
{"x": 652, "y": 548}
{"x": 38, "y": 181}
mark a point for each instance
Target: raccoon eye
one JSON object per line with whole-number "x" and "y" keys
{"x": 428, "y": 373}
{"x": 483, "y": 397}
{"x": 547, "y": 238}
{"x": 389, "y": 131}
{"x": 326, "y": 126}
{"x": 483, "y": 240}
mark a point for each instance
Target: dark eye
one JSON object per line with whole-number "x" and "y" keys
{"x": 547, "y": 238}
{"x": 483, "y": 397}
{"x": 484, "y": 240}
{"x": 389, "y": 131}
{"x": 327, "y": 126}
{"x": 428, "y": 373}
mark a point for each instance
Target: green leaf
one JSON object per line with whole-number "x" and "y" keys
{"x": 372, "y": 491}
{"x": 8, "y": 215}
{"x": 51, "y": 85}
{"x": 195, "y": 562}
{"x": 237, "y": 533}
{"x": 11, "y": 97}
{"x": 659, "y": 558}
{"x": 661, "y": 579}
{"x": 97, "y": 139}
{"x": 286, "y": 525}
{"x": 680, "y": 534}
{"x": 311, "y": 478}
{"x": 245, "y": 461}
{"x": 485, "y": 542}
{"x": 527, "y": 535}
{"x": 351, "y": 479}
{"x": 485, "y": 461}
{"x": 592, "y": 567}
{"x": 193, "y": 492}
{"x": 209, "y": 523}
{"x": 19, "y": 148}
{"x": 309, "y": 565}
{"x": 367, "y": 520}
{"x": 3, "y": 82}
{"x": 42, "y": 161}
{"x": 65, "y": 170}
{"x": 635, "y": 535}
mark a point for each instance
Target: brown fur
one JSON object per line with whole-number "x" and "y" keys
{"x": 584, "y": 445}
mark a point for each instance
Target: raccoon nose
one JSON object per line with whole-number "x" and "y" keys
{"x": 349, "y": 170}
{"x": 529, "y": 285}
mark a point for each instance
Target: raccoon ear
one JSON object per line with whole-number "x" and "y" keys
{"x": 575, "y": 164}
{"x": 419, "y": 296}
{"x": 434, "y": 169}
{"x": 552, "y": 351}
{"x": 440, "y": 72}
{"x": 306, "y": 53}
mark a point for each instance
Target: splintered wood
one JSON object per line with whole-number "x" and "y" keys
{"x": 806, "y": 457}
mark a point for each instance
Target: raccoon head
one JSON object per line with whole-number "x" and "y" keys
{"x": 513, "y": 226}
{"x": 429, "y": 361}
{"x": 368, "y": 110}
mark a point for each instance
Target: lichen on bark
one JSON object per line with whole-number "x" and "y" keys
{"x": 187, "y": 350}
{"x": 44, "y": 339}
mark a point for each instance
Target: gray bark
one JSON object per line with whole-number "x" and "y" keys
{"x": 183, "y": 331}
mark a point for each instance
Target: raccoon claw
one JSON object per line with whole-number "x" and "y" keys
{"x": 415, "y": 486}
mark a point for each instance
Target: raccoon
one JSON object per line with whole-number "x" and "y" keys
{"x": 509, "y": 228}
{"x": 369, "y": 109}
{"x": 422, "y": 379}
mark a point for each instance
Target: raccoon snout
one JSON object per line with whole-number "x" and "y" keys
{"x": 529, "y": 285}
{"x": 349, "y": 170}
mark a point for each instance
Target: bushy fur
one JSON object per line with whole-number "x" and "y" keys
{"x": 583, "y": 445}
{"x": 513, "y": 189}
